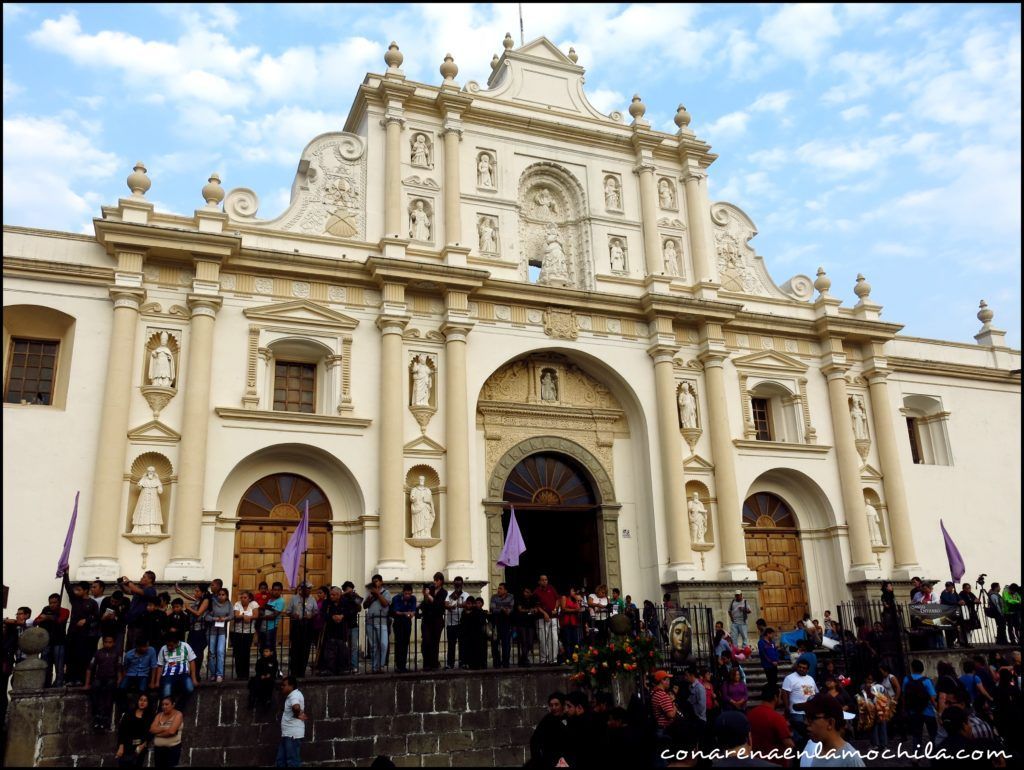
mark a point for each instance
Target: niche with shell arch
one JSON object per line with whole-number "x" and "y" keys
{"x": 422, "y": 224}
{"x": 432, "y": 481}
{"x": 164, "y": 471}
{"x": 421, "y": 150}
{"x": 550, "y": 197}
{"x": 872, "y": 498}
{"x": 710, "y": 504}
{"x": 173, "y": 344}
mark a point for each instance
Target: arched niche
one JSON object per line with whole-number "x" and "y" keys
{"x": 432, "y": 481}
{"x": 164, "y": 471}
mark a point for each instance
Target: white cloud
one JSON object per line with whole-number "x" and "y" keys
{"x": 770, "y": 159}
{"x": 774, "y": 101}
{"x": 729, "y": 125}
{"x": 11, "y": 89}
{"x": 801, "y": 31}
{"x": 280, "y": 136}
{"x": 857, "y": 112}
{"x": 740, "y": 51}
{"x": 606, "y": 100}
{"x": 843, "y": 158}
{"x": 13, "y": 11}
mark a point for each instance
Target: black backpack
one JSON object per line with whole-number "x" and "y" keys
{"x": 915, "y": 696}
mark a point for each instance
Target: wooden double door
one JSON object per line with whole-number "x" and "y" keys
{"x": 775, "y": 556}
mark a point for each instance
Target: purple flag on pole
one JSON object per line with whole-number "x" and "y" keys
{"x": 514, "y": 545}
{"x": 297, "y": 545}
{"x": 62, "y": 563}
{"x": 956, "y": 561}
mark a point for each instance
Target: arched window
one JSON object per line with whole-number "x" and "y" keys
{"x": 775, "y": 412}
{"x": 767, "y": 511}
{"x": 37, "y": 355}
{"x": 926, "y": 430}
{"x": 297, "y": 376}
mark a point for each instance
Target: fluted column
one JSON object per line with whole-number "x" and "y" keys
{"x": 892, "y": 472}
{"x": 730, "y": 515}
{"x": 452, "y": 192}
{"x": 698, "y": 210}
{"x": 849, "y": 470}
{"x": 188, "y": 511}
{"x": 458, "y": 528}
{"x": 108, "y": 475}
{"x": 392, "y": 413}
{"x": 649, "y": 217}
{"x": 393, "y": 225}
{"x": 680, "y": 555}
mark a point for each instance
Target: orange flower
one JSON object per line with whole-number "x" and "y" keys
{"x": 593, "y": 670}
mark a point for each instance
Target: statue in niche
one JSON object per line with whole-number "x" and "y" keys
{"x": 860, "y": 420}
{"x": 548, "y": 386}
{"x": 147, "y": 518}
{"x": 617, "y": 256}
{"x": 671, "y": 258}
{"x": 665, "y": 195}
{"x": 419, "y": 223}
{"x": 553, "y": 265}
{"x": 687, "y": 406}
{"x": 422, "y": 381}
{"x": 874, "y": 524}
{"x": 698, "y": 520}
{"x": 422, "y": 504}
{"x": 544, "y": 204}
{"x": 488, "y": 236}
{"x": 484, "y": 170}
{"x": 612, "y": 197}
{"x": 161, "y": 364}
{"x": 420, "y": 151}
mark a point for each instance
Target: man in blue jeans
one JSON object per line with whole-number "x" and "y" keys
{"x": 176, "y": 669}
{"x": 293, "y": 724}
{"x": 138, "y": 667}
{"x": 378, "y": 606}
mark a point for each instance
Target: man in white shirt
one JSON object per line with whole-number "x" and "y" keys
{"x": 452, "y": 617}
{"x": 293, "y": 724}
{"x": 798, "y": 688}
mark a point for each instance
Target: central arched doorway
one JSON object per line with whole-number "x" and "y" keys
{"x": 773, "y": 551}
{"x": 557, "y": 511}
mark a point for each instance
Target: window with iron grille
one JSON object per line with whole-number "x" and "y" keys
{"x": 762, "y": 418}
{"x": 294, "y": 387}
{"x": 31, "y": 370}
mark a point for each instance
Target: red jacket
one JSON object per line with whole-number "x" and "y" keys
{"x": 548, "y": 597}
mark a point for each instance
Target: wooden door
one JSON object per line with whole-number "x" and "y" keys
{"x": 258, "y": 547}
{"x": 775, "y": 556}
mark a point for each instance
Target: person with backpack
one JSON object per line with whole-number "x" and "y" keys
{"x": 919, "y": 702}
{"x": 738, "y": 612}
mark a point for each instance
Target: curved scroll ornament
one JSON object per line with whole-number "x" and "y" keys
{"x": 241, "y": 203}
{"x": 740, "y": 269}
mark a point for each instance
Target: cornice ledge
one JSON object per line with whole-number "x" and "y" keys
{"x": 295, "y": 418}
{"x": 65, "y": 272}
{"x": 856, "y": 329}
{"x": 946, "y": 369}
{"x": 773, "y": 447}
{"x": 167, "y": 243}
{"x": 386, "y": 269}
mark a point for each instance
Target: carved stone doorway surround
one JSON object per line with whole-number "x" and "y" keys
{"x": 607, "y": 530}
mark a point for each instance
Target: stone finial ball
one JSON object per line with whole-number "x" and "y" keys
{"x": 393, "y": 57}
{"x": 862, "y": 289}
{"x": 33, "y": 641}
{"x": 573, "y": 56}
{"x": 494, "y": 62}
{"x": 449, "y": 69}
{"x": 823, "y": 282}
{"x": 138, "y": 182}
{"x": 682, "y": 118}
{"x": 508, "y": 42}
{"x": 636, "y": 107}
{"x": 213, "y": 193}
{"x": 985, "y": 313}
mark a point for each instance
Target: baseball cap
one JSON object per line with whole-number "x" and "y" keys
{"x": 824, "y": 705}
{"x": 739, "y": 592}
{"x": 661, "y": 676}
{"x": 732, "y": 729}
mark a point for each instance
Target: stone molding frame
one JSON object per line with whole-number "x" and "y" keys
{"x": 607, "y": 530}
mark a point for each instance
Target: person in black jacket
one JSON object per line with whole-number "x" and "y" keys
{"x": 548, "y": 742}
{"x": 83, "y": 629}
{"x": 261, "y": 684}
{"x": 432, "y": 612}
{"x": 133, "y": 734}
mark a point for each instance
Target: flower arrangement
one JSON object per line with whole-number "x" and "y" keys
{"x": 596, "y": 665}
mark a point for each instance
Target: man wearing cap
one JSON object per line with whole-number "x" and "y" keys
{"x": 663, "y": 706}
{"x": 738, "y": 611}
{"x": 732, "y": 735}
{"x": 825, "y": 722}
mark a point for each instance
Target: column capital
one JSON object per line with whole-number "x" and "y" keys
{"x": 713, "y": 358}
{"x": 835, "y": 371}
{"x": 452, "y": 130}
{"x": 392, "y": 324}
{"x": 202, "y": 304}
{"x": 643, "y": 168}
{"x": 693, "y": 175}
{"x": 662, "y": 353}
{"x": 877, "y": 376}
{"x": 124, "y": 296}
{"x": 456, "y": 329}
{"x": 389, "y": 119}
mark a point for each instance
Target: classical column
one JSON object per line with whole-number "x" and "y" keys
{"x": 458, "y": 527}
{"x": 105, "y": 523}
{"x": 393, "y": 220}
{"x": 698, "y": 210}
{"x": 195, "y": 423}
{"x": 452, "y": 193}
{"x": 392, "y": 413}
{"x": 892, "y": 472}
{"x": 649, "y": 217}
{"x": 849, "y": 469}
{"x": 730, "y": 513}
{"x": 670, "y": 448}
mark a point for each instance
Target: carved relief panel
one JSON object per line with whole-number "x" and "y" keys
{"x": 488, "y": 234}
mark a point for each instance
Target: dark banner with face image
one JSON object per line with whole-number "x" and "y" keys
{"x": 939, "y": 615}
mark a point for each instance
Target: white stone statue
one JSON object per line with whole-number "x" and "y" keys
{"x": 147, "y": 518}
{"x": 687, "y": 407}
{"x": 422, "y": 511}
{"x": 548, "y": 386}
{"x": 488, "y": 236}
{"x": 874, "y": 524}
{"x": 553, "y": 264}
{"x": 617, "y": 256}
{"x": 698, "y": 520}
{"x": 161, "y": 364}
{"x": 860, "y": 420}
{"x": 422, "y": 381}
{"x": 671, "y": 258}
{"x": 668, "y": 200}
{"x": 420, "y": 151}
{"x": 544, "y": 204}
{"x": 484, "y": 168}
{"x": 612, "y": 199}
{"x": 419, "y": 223}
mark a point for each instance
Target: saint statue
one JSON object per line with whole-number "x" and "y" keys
{"x": 860, "y": 420}
{"x": 419, "y": 223}
{"x": 874, "y": 524}
{"x": 488, "y": 241}
{"x": 422, "y": 511}
{"x": 671, "y": 258}
{"x": 422, "y": 380}
{"x": 612, "y": 200}
{"x": 668, "y": 200}
{"x": 698, "y": 520}
{"x": 553, "y": 265}
{"x": 548, "y": 386}
{"x": 420, "y": 151}
{"x": 148, "y": 518}
{"x": 161, "y": 364}
{"x": 687, "y": 407}
{"x": 544, "y": 204}
{"x": 484, "y": 177}
{"x": 618, "y": 257}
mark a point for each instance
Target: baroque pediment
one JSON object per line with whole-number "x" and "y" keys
{"x": 697, "y": 464}
{"x": 301, "y": 312}
{"x": 423, "y": 446}
{"x": 519, "y": 382}
{"x": 770, "y": 360}
{"x": 154, "y": 432}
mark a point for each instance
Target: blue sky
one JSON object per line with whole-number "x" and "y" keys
{"x": 866, "y": 138}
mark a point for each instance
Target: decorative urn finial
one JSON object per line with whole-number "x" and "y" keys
{"x": 393, "y": 57}
{"x": 637, "y": 108}
{"x": 823, "y": 282}
{"x": 449, "y": 69}
{"x": 138, "y": 182}
{"x": 573, "y": 56}
{"x": 862, "y": 289}
{"x": 494, "y": 62}
{"x": 508, "y": 42}
{"x": 985, "y": 314}
{"x": 682, "y": 118}
{"x": 213, "y": 193}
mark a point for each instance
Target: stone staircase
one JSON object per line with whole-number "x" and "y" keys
{"x": 755, "y": 677}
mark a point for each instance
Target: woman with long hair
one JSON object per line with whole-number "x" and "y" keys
{"x": 133, "y": 734}
{"x": 221, "y": 613}
{"x": 166, "y": 732}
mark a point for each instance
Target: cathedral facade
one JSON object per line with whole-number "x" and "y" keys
{"x": 484, "y": 298}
